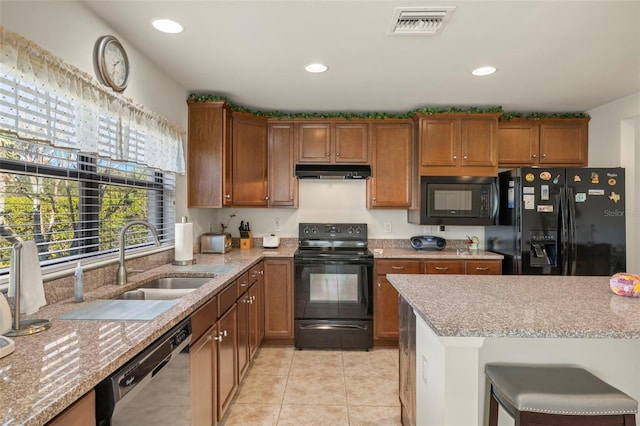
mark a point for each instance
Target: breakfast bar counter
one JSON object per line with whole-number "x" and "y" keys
{"x": 464, "y": 322}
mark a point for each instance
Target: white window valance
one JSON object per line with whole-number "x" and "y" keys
{"x": 43, "y": 98}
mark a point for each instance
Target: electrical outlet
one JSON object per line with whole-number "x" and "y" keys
{"x": 441, "y": 228}
{"x": 276, "y": 224}
{"x": 387, "y": 227}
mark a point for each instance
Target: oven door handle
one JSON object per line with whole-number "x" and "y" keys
{"x": 329, "y": 326}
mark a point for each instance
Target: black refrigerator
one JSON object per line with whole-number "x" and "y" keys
{"x": 560, "y": 221}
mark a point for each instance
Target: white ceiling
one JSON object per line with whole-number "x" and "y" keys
{"x": 552, "y": 56}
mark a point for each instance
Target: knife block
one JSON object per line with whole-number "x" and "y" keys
{"x": 247, "y": 243}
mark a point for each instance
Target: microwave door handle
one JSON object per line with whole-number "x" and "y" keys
{"x": 496, "y": 201}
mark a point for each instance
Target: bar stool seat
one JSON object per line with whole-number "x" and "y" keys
{"x": 556, "y": 395}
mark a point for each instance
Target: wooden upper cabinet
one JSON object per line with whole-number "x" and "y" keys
{"x": 391, "y": 165}
{"x": 283, "y": 185}
{"x": 458, "y": 145}
{"x": 208, "y": 154}
{"x": 250, "y": 157}
{"x": 564, "y": 142}
{"x": 331, "y": 142}
{"x": 543, "y": 142}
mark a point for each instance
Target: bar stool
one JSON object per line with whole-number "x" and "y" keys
{"x": 556, "y": 395}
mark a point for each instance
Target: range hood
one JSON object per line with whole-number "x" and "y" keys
{"x": 333, "y": 171}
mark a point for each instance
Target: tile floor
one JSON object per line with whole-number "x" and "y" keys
{"x": 318, "y": 387}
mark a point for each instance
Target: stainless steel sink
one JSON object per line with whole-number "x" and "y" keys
{"x": 165, "y": 288}
{"x": 174, "y": 283}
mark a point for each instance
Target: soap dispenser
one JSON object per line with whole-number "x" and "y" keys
{"x": 78, "y": 289}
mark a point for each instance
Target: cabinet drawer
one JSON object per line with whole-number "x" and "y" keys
{"x": 254, "y": 273}
{"x": 243, "y": 284}
{"x": 227, "y": 297}
{"x": 484, "y": 267}
{"x": 444, "y": 266}
{"x": 384, "y": 267}
{"x": 202, "y": 319}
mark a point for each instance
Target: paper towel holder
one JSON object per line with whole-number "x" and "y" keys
{"x": 184, "y": 262}
{"x": 26, "y": 326}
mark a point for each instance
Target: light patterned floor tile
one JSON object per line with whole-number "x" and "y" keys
{"x": 360, "y": 415}
{"x": 252, "y": 415}
{"x": 314, "y": 415}
{"x": 261, "y": 389}
{"x": 271, "y": 365}
{"x": 314, "y": 363}
{"x": 372, "y": 390}
{"x": 315, "y": 390}
{"x": 364, "y": 363}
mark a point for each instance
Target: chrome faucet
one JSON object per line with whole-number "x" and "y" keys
{"x": 122, "y": 271}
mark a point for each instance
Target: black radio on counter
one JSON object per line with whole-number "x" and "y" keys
{"x": 428, "y": 242}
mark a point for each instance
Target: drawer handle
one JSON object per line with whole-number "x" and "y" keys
{"x": 397, "y": 267}
{"x": 483, "y": 268}
{"x": 442, "y": 268}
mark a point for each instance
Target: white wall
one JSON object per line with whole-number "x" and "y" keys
{"x": 614, "y": 141}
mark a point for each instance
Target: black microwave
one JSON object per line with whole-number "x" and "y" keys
{"x": 457, "y": 200}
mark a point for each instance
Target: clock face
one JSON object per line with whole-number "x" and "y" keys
{"x": 111, "y": 63}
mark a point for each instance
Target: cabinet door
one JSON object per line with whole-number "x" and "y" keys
{"x": 243, "y": 335}
{"x": 518, "y": 144}
{"x": 478, "y": 143}
{"x": 227, "y": 358}
{"x": 249, "y": 161}
{"x": 254, "y": 312}
{"x": 278, "y": 298}
{"x": 350, "y": 143}
{"x": 439, "y": 142}
{"x": 484, "y": 267}
{"x": 202, "y": 364}
{"x": 283, "y": 186}
{"x": 80, "y": 413}
{"x": 314, "y": 142}
{"x": 444, "y": 266}
{"x": 392, "y": 150}
{"x": 385, "y": 317}
{"x": 206, "y": 152}
{"x": 564, "y": 142}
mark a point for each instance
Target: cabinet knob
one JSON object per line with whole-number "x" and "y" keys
{"x": 337, "y": 154}
{"x": 478, "y": 268}
{"x": 455, "y": 157}
{"x": 397, "y": 267}
{"x": 544, "y": 155}
{"x": 464, "y": 158}
{"x": 266, "y": 198}
{"x": 290, "y": 198}
{"x": 379, "y": 284}
{"x": 218, "y": 338}
{"x": 227, "y": 196}
{"x": 533, "y": 156}
{"x": 442, "y": 268}
{"x": 328, "y": 154}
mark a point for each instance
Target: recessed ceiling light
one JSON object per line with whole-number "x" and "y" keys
{"x": 483, "y": 71}
{"x": 167, "y": 26}
{"x": 316, "y": 68}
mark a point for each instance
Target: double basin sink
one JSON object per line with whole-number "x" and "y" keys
{"x": 165, "y": 288}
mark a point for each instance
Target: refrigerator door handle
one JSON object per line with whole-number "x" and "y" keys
{"x": 564, "y": 232}
{"x": 496, "y": 201}
{"x": 573, "y": 244}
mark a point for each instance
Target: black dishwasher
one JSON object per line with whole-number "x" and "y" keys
{"x": 152, "y": 388}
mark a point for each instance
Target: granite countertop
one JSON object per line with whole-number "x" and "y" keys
{"x": 520, "y": 306}
{"x": 50, "y": 370}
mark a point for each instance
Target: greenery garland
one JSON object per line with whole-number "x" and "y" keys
{"x": 382, "y": 115}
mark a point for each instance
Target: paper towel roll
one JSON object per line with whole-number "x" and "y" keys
{"x": 184, "y": 242}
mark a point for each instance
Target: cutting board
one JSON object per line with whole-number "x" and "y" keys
{"x": 131, "y": 310}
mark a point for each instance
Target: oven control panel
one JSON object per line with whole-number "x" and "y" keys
{"x": 333, "y": 231}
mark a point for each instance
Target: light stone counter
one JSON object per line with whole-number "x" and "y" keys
{"x": 463, "y": 322}
{"x": 50, "y": 370}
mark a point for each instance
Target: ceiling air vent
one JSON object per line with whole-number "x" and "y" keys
{"x": 419, "y": 20}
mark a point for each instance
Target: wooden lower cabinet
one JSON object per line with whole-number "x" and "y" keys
{"x": 278, "y": 300}
{"x": 202, "y": 363}
{"x": 227, "y": 358}
{"x": 385, "y": 313}
{"x": 385, "y": 298}
{"x": 80, "y": 413}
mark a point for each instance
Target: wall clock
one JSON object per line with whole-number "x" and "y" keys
{"x": 111, "y": 63}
